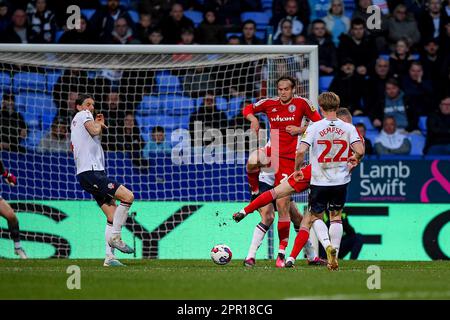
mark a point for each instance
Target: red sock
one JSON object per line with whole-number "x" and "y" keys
{"x": 283, "y": 233}
{"x": 300, "y": 241}
{"x": 253, "y": 180}
{"x": 264, "y": 199}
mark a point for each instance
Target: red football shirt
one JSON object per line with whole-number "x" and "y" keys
{"x": 282, "y": 115}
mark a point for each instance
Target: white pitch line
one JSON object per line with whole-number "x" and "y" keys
{"x": 375, "y": 295}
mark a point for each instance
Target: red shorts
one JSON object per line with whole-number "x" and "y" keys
{"x": 285, "y": 169}
{"x": 301, "y": 185}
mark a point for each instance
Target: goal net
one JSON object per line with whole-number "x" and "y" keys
{"x": 176, "y": 137}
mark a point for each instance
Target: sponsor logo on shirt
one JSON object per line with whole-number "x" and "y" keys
{"x": 282, "y": 119}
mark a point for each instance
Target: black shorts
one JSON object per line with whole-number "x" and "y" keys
{"x": 327, "y": 197}
{"x": 99, "y": 185}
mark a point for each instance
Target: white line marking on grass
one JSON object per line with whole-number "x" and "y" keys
{"x": 381, "y": 295}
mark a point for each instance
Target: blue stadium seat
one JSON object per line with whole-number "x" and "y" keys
{"x": 58, "y": 35}
{"x": 169, "y": 123}
{"x": 365, "y": 120}
{"x": 384, "y": 57}
{"x": 29, "y": 81}
{"x": 177, "y": 105}
{"x": 134, "y": 16}
{"x": 37, "y": 109}
{"x": 267, "y": 5}
{"x": 150, "y": 105}
{"x": 234, "y": 107}
{"x": 261, "y": 35}
{"x": 229, "y": 34}
{"x": 417, "y": 144}
{"x": 52, "y": 79}
{"x": 221, "y": 103}
{"x": 88, "y": 13}
{"x": 324, "y": 83}
{"x": 195, "y": 16}
{"x": 168, "y": 84}
{"x": 261, "y": 18}
{"x": 5, "y": 81}
{"x": 372, "y": 135}
{"x": 423, "y": 125}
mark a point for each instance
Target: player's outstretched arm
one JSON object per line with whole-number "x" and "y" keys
{"x": 7, "y": 175}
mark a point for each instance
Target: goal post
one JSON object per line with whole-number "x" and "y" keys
{"x": 186, "y": 187}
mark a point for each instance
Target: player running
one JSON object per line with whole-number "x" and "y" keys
{"x": 285, "y": 113}
{"x": 266, "y": 182}
{"x": 90, "y": 163}
{"x": 331, "y": 141}
{"x": 8, "y": 213}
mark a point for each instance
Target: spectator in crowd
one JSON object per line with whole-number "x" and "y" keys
{"x": 210, "y": 31}
{"x": 172, "y": 25}
{"x": 374, "y": 95}
{"x": 5, "y": 16}
{"x": 104, "y": 19}
{"x": 248, "y": 33}
{"x": 126, "y": 137}
{"x": 144, "y": 27}
{"x": 157, "y": 8}
{"x": 12, "y": 125}
{"x": 57, "y": 140}
{"x": 336, "y": 21}
{"x": 358, "y": 47}
{"x": 444, "y": 40}
{"x": 349, "y": 86}
{"x": 327, "y": 51}
{"x": 438, "y": 130}
{"x": 122, "y": 33}
{"x": 400, "y": 59}
{"x": 113, "y": 109}
{"x": 432, "y": 21}
{"x": 285, "y": 37}
{"x": 18, "y": 31}
{"x": 367, "y": 143}
{"x": 390, "y": 141}
{"x": 396, "y": 105}
{"x": 210, "y": 118}
{"x": 83, "y": 35}
{"x": 157, "y": 144}
{"x": 432, "y": 63}
{"x": 401, "y": 25}
{"x": 42, "y": 22}
{"x": 228, "y": 12}
{"x": 419, "y": 90}
{"x": 187, "y": 38}
{"x": 375, "y": 34}
{"x": 291, "y": 13}
{"x": 300, "y": 39}
{"x": 155, "y": 36}
{"x": 234, "y": 40}
{"x": 66, "y": 89}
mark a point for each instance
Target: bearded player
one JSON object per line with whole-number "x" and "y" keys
{"x": 90, "y": 163}
{"x": 284, "y": 113}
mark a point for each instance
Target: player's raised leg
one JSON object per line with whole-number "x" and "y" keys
{"x": 126, "y": 199}
{"x": 13, "y": 225}
{"x": 110, "y": 258}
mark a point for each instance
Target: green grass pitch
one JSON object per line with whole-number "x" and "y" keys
{"x": 201, "y": 279}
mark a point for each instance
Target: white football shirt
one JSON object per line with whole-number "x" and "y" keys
{"x": 87, "y": 150}
{"x": 330, "y": 142}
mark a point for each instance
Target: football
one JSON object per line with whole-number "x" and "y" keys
{"x": 221, "y": 254}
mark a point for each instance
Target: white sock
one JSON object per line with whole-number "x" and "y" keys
{"x": 322, "y": 232}
{"x": 314, "y": 242}
{"x": 336, "y": 231}
{"x": 120, "y": 217}
{"x": 17, "y": 245}
{"x": 108, "y": 232}
{"x": 258, "y": 236}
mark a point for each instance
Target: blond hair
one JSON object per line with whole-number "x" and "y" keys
{"x": 329, "y": 101}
